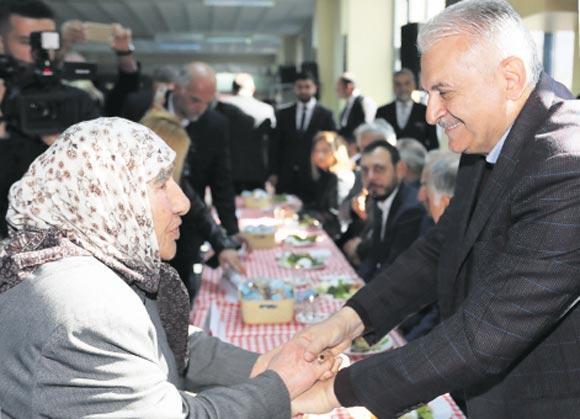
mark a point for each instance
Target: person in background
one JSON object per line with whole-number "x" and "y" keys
{"x": 413, "y": 155}
{"x": 94, "y": 321}
{"x": 18, "y": 149}
{"x": 396, "y": 217}
{"x": 332, "y": 178}
{"x": 74, "y": 32}
{"x": 251, "y": 142}
{"x": 503, "y": 260}
{"x": 407, "y": 116}
{"x": 353, "y": 208}
{"x": 437, "y": 188}
{"x": 138, "y": 103}
{"x": 358, "y": 109}
{"x": 198, "y": 224}
{"x": 296, "y": 126}
{"x": 208, "y": 162}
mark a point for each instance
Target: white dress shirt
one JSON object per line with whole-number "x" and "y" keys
{"x": 403, "y": 112}
{"x": 309, "y": 110}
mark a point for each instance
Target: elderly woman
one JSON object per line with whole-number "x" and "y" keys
{"x": 93, "y": 322}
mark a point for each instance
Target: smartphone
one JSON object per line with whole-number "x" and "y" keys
{"x": 99, "y": 32}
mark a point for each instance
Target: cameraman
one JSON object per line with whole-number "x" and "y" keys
{"x": 18, "y": 19}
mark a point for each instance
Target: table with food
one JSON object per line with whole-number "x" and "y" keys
{"x": 295, "y": 276}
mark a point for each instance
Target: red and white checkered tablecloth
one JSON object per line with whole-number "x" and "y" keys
{"x": 262, "y": 338}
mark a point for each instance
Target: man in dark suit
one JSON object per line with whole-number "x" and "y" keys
{"x": 397, "y": 215}
{"x": 357, "y": 110}
{"x": 292, "y": 140}
{"x": 504, "y": 260}
{"x": 208, "y": 159}
{"x": 407, "y": 116}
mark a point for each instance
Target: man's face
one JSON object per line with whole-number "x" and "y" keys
{"x": 168, "y": 204}
{"x": 16, "y": 41}
{"x": 465, "y": 99}
{"x": 378, "y": 173}
{"x": 193, "y": 99}
{"x": 304, "y": 90}
{"x": 344, "y": 90}
{"x": 403, "y": 84}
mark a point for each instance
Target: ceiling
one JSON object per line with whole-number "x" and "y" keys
{"x": 171, "y": 26}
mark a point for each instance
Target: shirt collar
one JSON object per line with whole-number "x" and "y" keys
{"x": 385, "y": 205}
{"x": 496, "y": 150}
{"x": 309, "y": 105}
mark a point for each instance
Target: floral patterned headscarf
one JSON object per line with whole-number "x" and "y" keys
{"x": 87, "y": 195}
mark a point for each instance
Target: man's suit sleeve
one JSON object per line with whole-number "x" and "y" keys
{"x": 222, "y": 186}
{"x": 521, "y": 291}
{"x": 330, "y": 125}
{"x": 275, "y": 145}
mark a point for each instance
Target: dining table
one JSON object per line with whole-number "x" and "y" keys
{"x": 216, "y": 308}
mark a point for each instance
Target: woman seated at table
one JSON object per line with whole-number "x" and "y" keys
{"x": 198, "y": 224}
{"x": 94, "y": 323}
{"x": 332, "y": 176}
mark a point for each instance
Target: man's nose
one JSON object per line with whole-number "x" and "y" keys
{"x": 435, "y": 108}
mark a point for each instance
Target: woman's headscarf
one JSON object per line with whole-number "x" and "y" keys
{"x": 87, "y": 195}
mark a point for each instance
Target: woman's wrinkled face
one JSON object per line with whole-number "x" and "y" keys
{"x": 168, "y": 204}
{"x": 322, "y": 156}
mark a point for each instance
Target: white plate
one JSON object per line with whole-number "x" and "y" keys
{"x": 283, "y": 262}
{"x": 383, "y": 345}
{"x": 328, "y": 281}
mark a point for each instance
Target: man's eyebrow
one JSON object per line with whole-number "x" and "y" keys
{"x": 439, "y": 86}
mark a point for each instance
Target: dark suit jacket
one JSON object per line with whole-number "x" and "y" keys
{"x": 208, "y": 164}
{"x": 417, "y": 127}
{"x": 355, "y": 118}
{"x": 247, "y": 144}
{"x": 506, "y": 280}
{"x": 290, "y": 150}
{"x": 404, "y": 223}
{"x": 321, "y": 202}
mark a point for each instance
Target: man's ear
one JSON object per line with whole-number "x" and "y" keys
{"x": 401, "y": 169}
{"x": 514, "y": 74}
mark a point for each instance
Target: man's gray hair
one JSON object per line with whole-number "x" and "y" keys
{"x": 381, "y": 128}
{"x": 443, "y": 174}
{"x": 192, "y": 71}
{"x": 413, "y": 153}
{"x": 491, "y": 24}
{"x": 407, "y": 72}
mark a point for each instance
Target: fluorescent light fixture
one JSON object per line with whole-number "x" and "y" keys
{"x": 239, "y": 3}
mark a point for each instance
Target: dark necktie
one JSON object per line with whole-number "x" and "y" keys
{"x": 377, "y": 228}
{"x": 303, "y": 120}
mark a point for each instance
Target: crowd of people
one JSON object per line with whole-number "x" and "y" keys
{"x": 471, "y": 252}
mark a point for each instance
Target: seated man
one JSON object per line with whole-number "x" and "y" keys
{"x": 437, "y": 189}
{"x": 397, "y": 215}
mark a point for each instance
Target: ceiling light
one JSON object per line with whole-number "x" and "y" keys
{"x": 239, "y": 3}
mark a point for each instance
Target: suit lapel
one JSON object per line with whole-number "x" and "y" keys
{"x": 524, "y": 126}
{"x": 293, "y": 129}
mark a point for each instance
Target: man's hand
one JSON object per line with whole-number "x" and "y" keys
{"x": 334, "y": 334}
{"x": 230, "y": 258}
{"x": 297, "y": 373}
{"x": 320, "y": 398}
{"x": 243, "y": 240}
{"x": 349, "y": 249}
{"x": 358, "y": 204}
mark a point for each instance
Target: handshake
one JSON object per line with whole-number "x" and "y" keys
{"x": 308, "y": 363}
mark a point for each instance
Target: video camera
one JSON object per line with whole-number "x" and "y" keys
{"x": 36, "y": 101}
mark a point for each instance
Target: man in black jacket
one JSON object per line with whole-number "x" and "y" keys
{"x": 208, "y": 160}
{"x": 407, "y": 116}
{"x": 357, "y": 110}
{"x": 396, "y": 218}
{"x": 292, "y": 141}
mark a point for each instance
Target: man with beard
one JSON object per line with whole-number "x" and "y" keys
{"x": 407, "y": 116}
{"x": 297, "y": 124}
{"x": 396, "y": 218}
